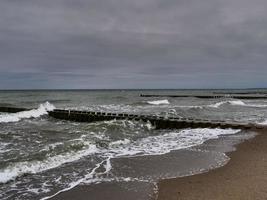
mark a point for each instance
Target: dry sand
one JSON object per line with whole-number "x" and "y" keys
{"x": 244, "y": 177}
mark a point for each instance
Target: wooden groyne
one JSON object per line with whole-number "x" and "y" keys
{"x": 159, "y": 122}
{"x": 208, "y": 96}
{"x": 12, "y": 109}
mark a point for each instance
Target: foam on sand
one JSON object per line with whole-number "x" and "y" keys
{"x": 34, "y": 113}
{"x": 105, "y": 163}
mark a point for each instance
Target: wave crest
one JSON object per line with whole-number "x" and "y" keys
{"x": 263, "y": 122}
{"x": 21, "y": 168}
{"x": 233, "y": 103}
{"x": 34, "y": 113}
{"x": 236, "y": 103}
{"x": 159, "y": 102}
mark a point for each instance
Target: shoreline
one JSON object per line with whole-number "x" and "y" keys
{"x": 180, "y": 158}
{"x": 243, "y": 177}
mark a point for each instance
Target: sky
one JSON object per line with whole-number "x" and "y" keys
{"x": 109, "y": 44}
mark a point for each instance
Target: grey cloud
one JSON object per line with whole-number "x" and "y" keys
{"x": 139, "y": 42}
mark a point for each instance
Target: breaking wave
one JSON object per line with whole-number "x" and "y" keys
{"x": 263, "y": 122}
{"x": 221, "y": 103}
{"x": 233, "y": 103}
{"x": 33, "y": 167}
{"x": 159, "y": 102}
{"x": 236, "y": 103}
{"x": 218, "y": 104}
{"x": 34, "y": 113}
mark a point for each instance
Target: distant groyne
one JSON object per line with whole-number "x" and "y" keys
{"x": 208, "y": 96}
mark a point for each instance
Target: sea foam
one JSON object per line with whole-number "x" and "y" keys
{"x": 233, "y": 103}
{"x": 159, "y": 102}
{"x": 236, "y": 103}
{"x": 152, "y": 145}
{"x": 20, "y": 168}
{"x": 162, "y": 144}
{"x": 263, "y": 122}
{"x": 34, "y": 113}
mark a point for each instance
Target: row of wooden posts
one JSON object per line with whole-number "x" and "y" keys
{"x": 159, "y": 122}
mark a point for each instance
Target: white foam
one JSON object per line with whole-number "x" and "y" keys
{"x": 20, "y": 168}
{"x": 3, "y": 147}
{"x": 153, "y": 145}
{"x": 88, "y": 178}
{"x": 34, "y": 113}
{"x": 237, "y": 103}
{"x": 162, "y": 144}
{"x": 200, "y": 107}
{"x": 107, "y": 108}
{"x": 218, "y": 104}
{"x": 263, "y": 123}
{"x": 119, "y": 142}
{"x": 258, "y": 105}
{"x": 149, "y": 126}
{"x": 234, "y": 103}
{"x": 107, "y": 166}
{"x": 159, "y": 102}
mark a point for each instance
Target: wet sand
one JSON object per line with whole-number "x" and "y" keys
{"x": 244, "y": 177}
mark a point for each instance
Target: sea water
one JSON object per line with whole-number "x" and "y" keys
{"x": 42, "y": 157}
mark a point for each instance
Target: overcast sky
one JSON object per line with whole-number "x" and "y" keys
{"x": 67, "y": 44}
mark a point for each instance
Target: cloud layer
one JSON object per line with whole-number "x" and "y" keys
{"x": 133, "y": 44}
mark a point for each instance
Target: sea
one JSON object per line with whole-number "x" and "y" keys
{"x": 42, "y": 157}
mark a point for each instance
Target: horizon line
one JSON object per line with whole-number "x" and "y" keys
{"x": 58, "y": 89}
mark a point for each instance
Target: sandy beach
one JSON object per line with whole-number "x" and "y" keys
{"x": 243, "y": 177}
